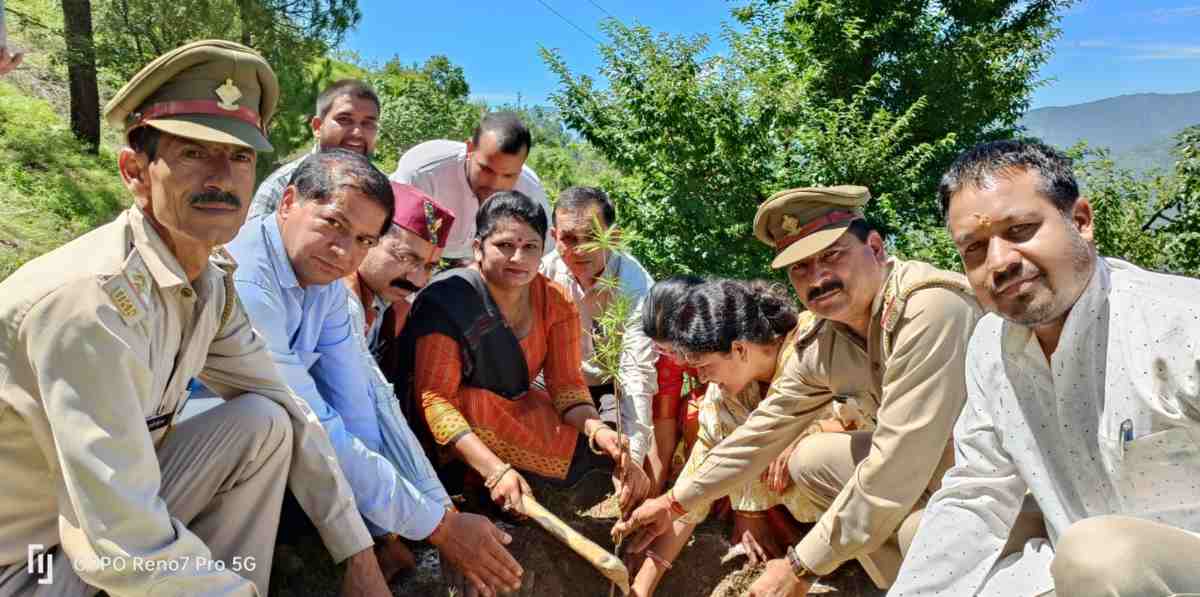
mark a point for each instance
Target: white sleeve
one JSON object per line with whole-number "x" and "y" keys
{"x": 967, "y": 522}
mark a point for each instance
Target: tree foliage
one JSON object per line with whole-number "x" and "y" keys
{"x": 293, "y": 35}
{"x": 880, "y": 93}
{"x": 422, "y": 102}
{"x": 1152, "y": 220}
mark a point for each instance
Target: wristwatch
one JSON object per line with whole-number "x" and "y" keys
{"x": 798, "y": 568}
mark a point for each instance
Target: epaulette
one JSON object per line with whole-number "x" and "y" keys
{"x": 895, "y": 298}
{"x": 130, "y": 289}
{"x": 807, "y": 326}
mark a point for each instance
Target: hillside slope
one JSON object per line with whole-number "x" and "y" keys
{"x": 1139, "y": 129}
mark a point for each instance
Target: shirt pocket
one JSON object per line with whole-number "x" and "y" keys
{"x": 1158, "y": 476}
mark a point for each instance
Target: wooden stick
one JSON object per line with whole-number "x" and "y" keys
{"x": 608, "y": 564}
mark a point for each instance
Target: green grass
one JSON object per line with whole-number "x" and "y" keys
{"x": 51, "y": 190}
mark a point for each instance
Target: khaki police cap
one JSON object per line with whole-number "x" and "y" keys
{"x": 801, "y": 222}
{"x": 211, "y": 90}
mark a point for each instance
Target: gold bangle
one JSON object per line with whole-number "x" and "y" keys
{"x": 495, "y": 477}
{"x": 592, "y": 440}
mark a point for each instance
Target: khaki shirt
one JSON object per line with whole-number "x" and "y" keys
{"x": 98, "y": 341}
{"x": 719, "y": 416}
{"x": 908, "y": 380}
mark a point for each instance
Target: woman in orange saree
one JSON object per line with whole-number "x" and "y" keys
{"x": 479, "y": 337}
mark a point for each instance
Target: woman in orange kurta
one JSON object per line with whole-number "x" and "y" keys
{"x": 481, "y": 336}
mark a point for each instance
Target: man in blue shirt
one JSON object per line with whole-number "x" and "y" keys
{"x": 334, "y": 211}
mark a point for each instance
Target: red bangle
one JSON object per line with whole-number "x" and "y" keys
{"x": 676, "y": 508}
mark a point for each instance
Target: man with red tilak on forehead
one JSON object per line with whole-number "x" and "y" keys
{"x": 887, "y": 343}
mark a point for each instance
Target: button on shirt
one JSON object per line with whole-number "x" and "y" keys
{"x": 310, "y": 337}
{"x": 639, "y": 377}
{"x": 1110, "y": 425}
{"x": 438, "y": 168}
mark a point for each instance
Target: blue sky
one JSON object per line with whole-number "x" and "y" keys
{"x": 1107, "y": 48}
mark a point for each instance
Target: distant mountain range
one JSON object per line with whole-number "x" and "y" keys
{"x": 1139, "y": 129}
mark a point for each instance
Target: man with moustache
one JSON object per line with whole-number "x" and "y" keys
{"x": 347, "y": 116}
{"x": 577, "y": 213}
{"x": 1083, "y": 389}
{"x": 399, "y": 266}
{"x": 334, "y": 211}
{"x": 105, "y": 487}
{"x": 461, "y": 176}
{"x": 888, "y": 344}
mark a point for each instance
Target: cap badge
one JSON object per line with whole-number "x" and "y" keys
{"x": 432, "y": 223}
{"x": 229, "y": 94}
{"x": 790, "y": 224}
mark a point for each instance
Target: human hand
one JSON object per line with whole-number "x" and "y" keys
{"x": 777, "y": 478}
{"x": 754, "y": 533}
{"x": 363, "y": 578}
{"x": 473, "y": 546}
{"x": 647, "y": 522}
{"x": 778, "y": 580}
{"x": 508, "y": 491}
{"x": 632, "y": 485}
{"x": 614, "y": 445}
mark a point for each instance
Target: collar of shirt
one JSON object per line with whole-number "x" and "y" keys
{"x": 162, "y": 264}
{"x": 279, "y": 257}
{"x": 876, "y": 306}
{"x": 372, "y": 303}
{"x": 556, "y": 269}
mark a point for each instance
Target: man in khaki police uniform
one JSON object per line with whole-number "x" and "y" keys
{"x": 99, "y": 340}
{"x": 887, "y": 345}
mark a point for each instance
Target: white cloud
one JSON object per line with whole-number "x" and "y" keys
{"x": 1142, "y": 51}
{"x": 1167, "y": 15}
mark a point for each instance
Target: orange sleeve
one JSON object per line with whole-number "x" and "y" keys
{"x": 436, "y": 380}
{"x": 564, "y": 378}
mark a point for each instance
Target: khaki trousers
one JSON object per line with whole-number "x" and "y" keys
{"x": 223, "y": 475}
{"x": 823, "y": 463}
{"x": 1119, "y": 556}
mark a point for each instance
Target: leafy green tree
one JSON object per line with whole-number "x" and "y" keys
{"x": 703, "y": 145}
{"x": 881, "y": 93}
{"x": 1150, "y": 219}
{"x": 422, "y": 102}
{"x": 293, "y": 35}
{"x": 974, "y": 63}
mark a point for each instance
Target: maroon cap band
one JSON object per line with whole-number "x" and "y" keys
{"x": 829, "y": 219}
{"x": 209, "y": 107}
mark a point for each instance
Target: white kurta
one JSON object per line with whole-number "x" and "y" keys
{"x": 1110, "y": 425}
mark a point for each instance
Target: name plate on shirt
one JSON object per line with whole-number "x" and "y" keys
{"x": 158, "y": 422}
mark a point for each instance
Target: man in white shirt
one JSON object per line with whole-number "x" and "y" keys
{"x": 347, "y": 116}
{"x": 1083, "y": 389}
{"x": 461, "y": 176}
{"x": 579, "y": 269}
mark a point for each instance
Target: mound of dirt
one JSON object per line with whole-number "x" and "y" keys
{"x": 552, "y": 570}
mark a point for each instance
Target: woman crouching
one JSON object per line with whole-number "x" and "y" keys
{"x": 736, "y": 336}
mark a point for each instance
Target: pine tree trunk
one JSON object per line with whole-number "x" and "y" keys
{"x": 81, "y": 71}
